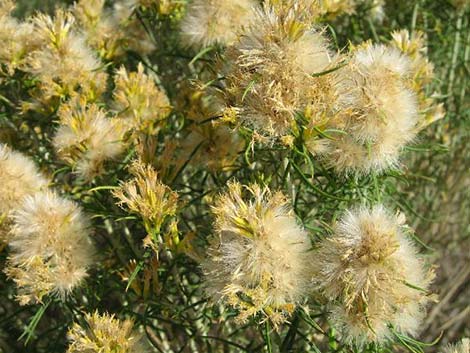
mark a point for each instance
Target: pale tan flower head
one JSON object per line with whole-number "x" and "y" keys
{"x": 19, "y": 177}
{"x": 64, "y": 63}
{"x": 87, "y": 138}
{"x": 269, "y": 71}
{"x": 101, "y": 28}
{"x": 50, "y": 249}
{"x": 463, "y": 346}
{"x": 257, "y": 258}
{"x": 105, "y": 334}
{"x": 138, "y": 100}
{"x": 371, "y": 273}
{"x": 209, "y": 22}
{"x": 147, "y": 196}
{"x": 17, "y": 38}
{"x": 113, "y": 30}
{"x": 422, "y": 74}
{"x": 376, "y": 110}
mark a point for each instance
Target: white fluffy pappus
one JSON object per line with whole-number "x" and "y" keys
{"x": 209, "y": 22}
{"x": 50, "y": 249}
{"x": 87, "y": 138}
{"x": 374, "y": 278}
{"x": 64, "y": 61}
{"x": 463, "y": 346}
{"x": 376, "y": 110}
{"x": 257, "y": 259}
{"x": 19, "y": 177}
{"x": 269, "y": 70}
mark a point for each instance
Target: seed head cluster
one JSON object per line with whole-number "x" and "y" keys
{"x": 269, "y": 70}
{"x": 17, "y": 37}
{"x": 19, "y": 177}
{"x": 377, "y": 113}
{"x": 266, "y": 82}
{"x": 76, "y": 66}
{"x": 462, "y": 346}
{"x": 112, "y": 30}
{"x": 138, "y": 100}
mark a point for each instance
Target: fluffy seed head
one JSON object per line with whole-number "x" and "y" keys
{"x": 50, "y": 248}
{"x": 269, "y": 70}
{"x": 64, "y": 63}
{"x": 376, "y": 110}
{"x": 112, "y": 30}
{"x": 422, "y": 73}
{"x": 460, "y": 347}
{"x": 138, "y": 99}
{"x": 257, "y": 258}
{"x": 17, "y": 38}
{"x": 19, "y": 177}
{"x": 209, "y": 22}
{"x": 372, "y": 274}
{"x": 105, "y": 334}
{"x": 86, "y": 138}
{"x": 100, "y": 26}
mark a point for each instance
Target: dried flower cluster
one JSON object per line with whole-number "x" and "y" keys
{"x": 422, "y": 74}
{"x": 104, "y": 334}
{"x": 19, "y": 178}
{"x": 86, "y": 137}
{"x": 47, "y": 235}
{"x": 147, "y": 196}
{"x": 258, "y": 257}
{"x": 138, "y": 100}
{"x": 379, "y": 108}
{"x": 460, "y": 347}
{"x": 269, "y": 71}
{"x": 112, "y": 31}
{"x": 17, "y": 38}
{"x": 376, "y": 111}
{"x": 281, "y": 72}
{"x": 76, "y": 66}
{"x": 371, "y": 274}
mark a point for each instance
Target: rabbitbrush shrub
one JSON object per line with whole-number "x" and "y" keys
{"x": 221, "y": 176}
